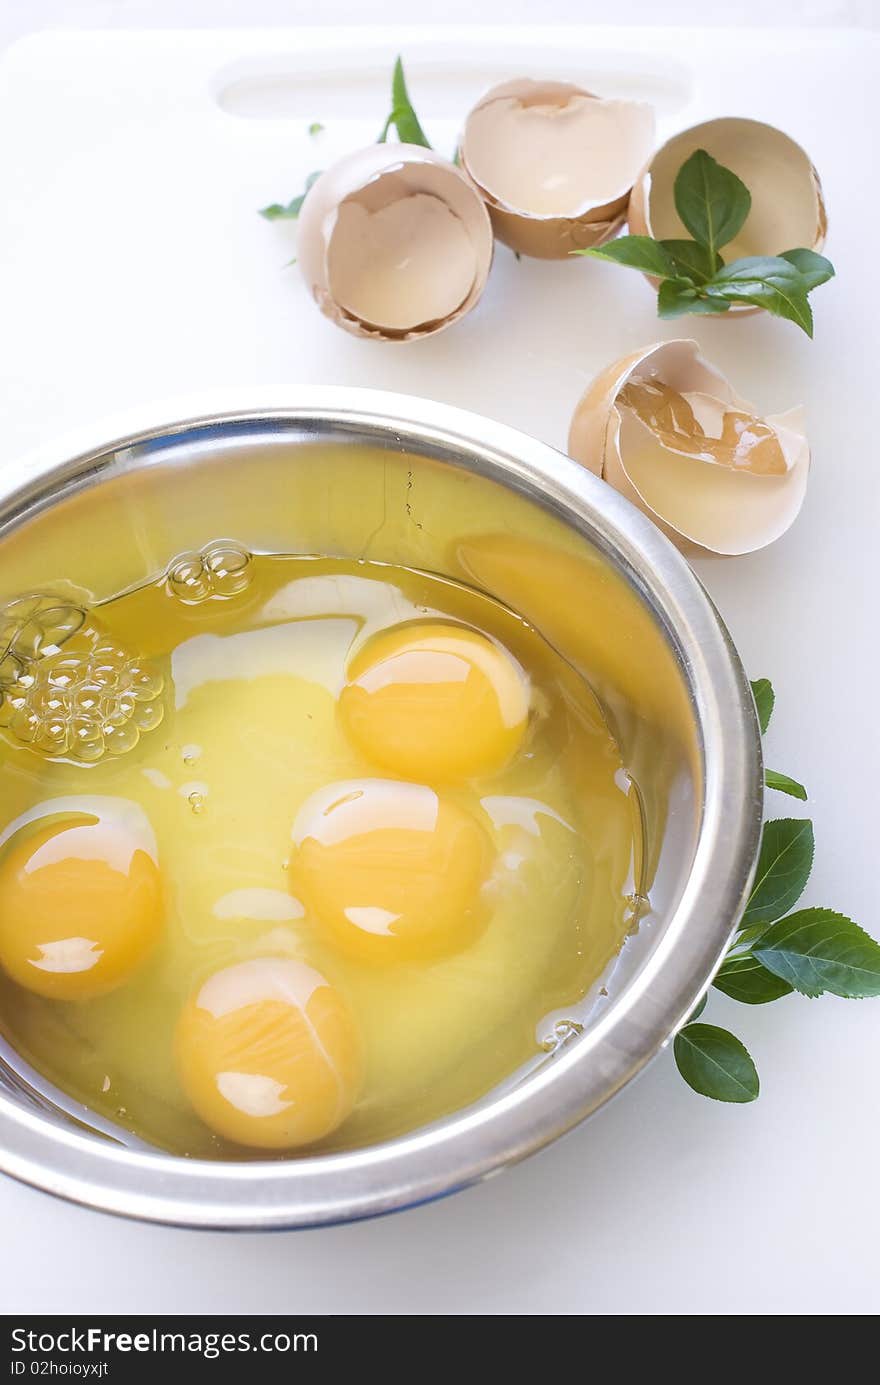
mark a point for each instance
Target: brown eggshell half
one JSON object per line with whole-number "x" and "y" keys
{"x": 701, "y": 507}
{"x": 787, "y": 211}
{"x": 394, "y": 243}
{"x": 554, "y": 163}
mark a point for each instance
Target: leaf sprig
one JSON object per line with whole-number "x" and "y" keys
{"x": 813, "y": 951}
{"x": 289, "y": 211}
{"x": 713, "y": 204}
{"x": 402, "y": 118}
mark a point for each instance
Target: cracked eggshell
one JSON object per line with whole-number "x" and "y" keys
{"x": 554, "y": 163}
{"x": 787, "y": 209}
{"x": 394, "y": 243}
{"x": 701, "y": 505}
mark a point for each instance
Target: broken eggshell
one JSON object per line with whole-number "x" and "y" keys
{"x": 787, "y": 211}
{"x": 394, "y": 242}
{"x": 729, "y": 484}
{"x": 554, "y": 163}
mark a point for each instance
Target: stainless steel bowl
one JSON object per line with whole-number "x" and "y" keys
{"x": 365, "y": 474}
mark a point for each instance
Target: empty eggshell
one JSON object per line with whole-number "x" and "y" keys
{"x": 554, "y": 163}
{"x": 394, "y": 242}
{"x": 667, "y": 430}
{"x": 787, "y": 210}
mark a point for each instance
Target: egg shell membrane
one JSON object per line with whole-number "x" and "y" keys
{"x": 787, "y": 211}
{"x": 373, "y": 178}
{"x": 728, "y": 436}
{"x": 500, "y": 127}
{"x": 365, "y": 251}
{"x": 699, "y": 506}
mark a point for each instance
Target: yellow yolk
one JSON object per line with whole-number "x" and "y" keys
{"x": 393, "y": 870}
{"x": 268, "y": 1054}
{"x": 435, "y": 702}
{"x": 80, "y": 898}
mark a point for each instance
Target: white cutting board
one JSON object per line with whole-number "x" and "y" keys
{"x": 133, "y": 266}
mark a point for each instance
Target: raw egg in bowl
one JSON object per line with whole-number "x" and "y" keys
{"x": 441, "y": 807}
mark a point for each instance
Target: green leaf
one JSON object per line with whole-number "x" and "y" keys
{"x": 817, "y": 950}
{"x": 715, "y": 1063}
{"x": 403, "y": 117}
{"x": 691, "y": 259}
{"x": 636, "y": 252}
{"x": 746, "y": 936}
{"x": 407, "y": 121}
{"x": 698, "y": 1009}
{"x": 711, "y": 201}
{"x": 784, "y": 866}
{"x": 675, "y": 297}
{"x": 781, "y": 782}
{"x": 769, "y": 282}
{"x": 744, "y": 978}
{"x": 814, "y": 269}
{"x": 762, "y": 692}
{"x": 315, "y": 128}
{"x": 289, "y": 212}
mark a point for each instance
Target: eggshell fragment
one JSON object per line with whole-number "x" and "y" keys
{"x": 787, "y": 210}
{"x": 554, "y": 163}
{"x": 394, "y": 242}
{"x": 729, "y": 483}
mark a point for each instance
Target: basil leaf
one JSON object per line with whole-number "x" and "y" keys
{"x": 769, "y": 282}
{"x": 692, "y": 259}
{"x": 315, "y": 128}
{"x": 781, "y": 782}
{"x": 762, "y": 692}
{"x": 817, "y": 950}
{"x": 814, "y": 269}
{"x": 715, "y": 1063}
{"x": 403, "y": 117}
{"x": 784, "y": 866}
{"x": 277, "y": 212}
{"x": 745, "y": 979}
{"x": 676, "y": 297}
{"x": 711, "y": 201}
{"x": 636, "y": 252}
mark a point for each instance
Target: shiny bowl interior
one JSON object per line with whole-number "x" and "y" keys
{"x": 360, "y": 474}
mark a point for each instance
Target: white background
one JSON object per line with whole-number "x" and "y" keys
{"x": 24, "y": 16}
{"x": 663, "y": 1204}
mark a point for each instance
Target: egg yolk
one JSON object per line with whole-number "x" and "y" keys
{"x": 268, "y": 1054}
{"x": 436, "y": 702}
{"x": 393, "y": 870}
{"x": 80, "y": 906}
